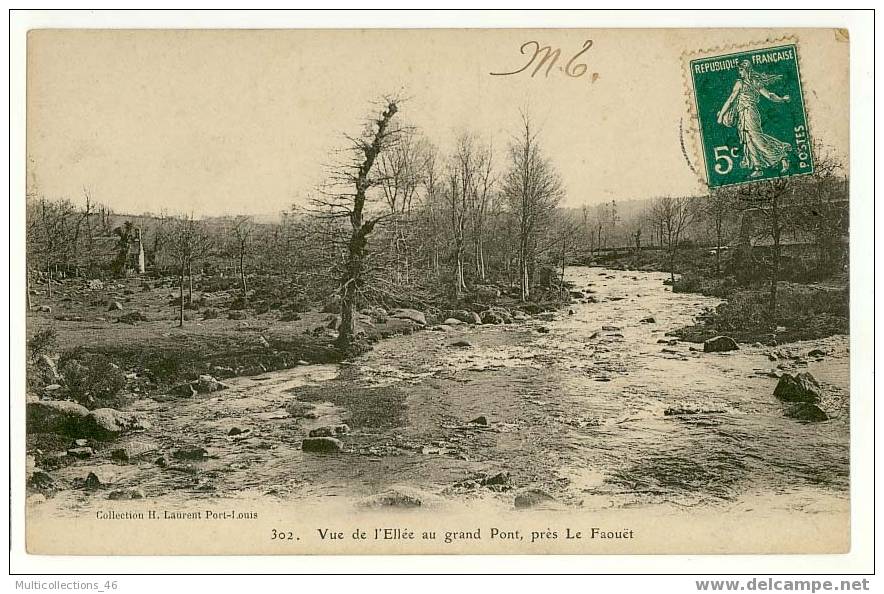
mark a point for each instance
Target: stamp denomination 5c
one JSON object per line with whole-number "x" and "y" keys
{"x": 751, "y": 115}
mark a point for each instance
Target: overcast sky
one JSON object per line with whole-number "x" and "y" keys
{"x": 231, "y": 122}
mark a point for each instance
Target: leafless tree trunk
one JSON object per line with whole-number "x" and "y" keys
{"x": 765, "y": 198}
{"x": 533, "y": 189}
{"x": 243, "y": 229}
{"x": 360, "y": 176}
{"x": 190, "y": 241}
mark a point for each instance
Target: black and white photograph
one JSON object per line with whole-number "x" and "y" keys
{"x": 437, "y": 291}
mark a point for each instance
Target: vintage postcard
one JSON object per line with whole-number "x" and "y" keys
{"x": 451, "y": 291}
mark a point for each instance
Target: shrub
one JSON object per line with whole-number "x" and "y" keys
{"x": 694, "y": 282}
{"x": 211, "y": 314}
{"x": 90, "y": 377}
{"x": 42, "y": 342}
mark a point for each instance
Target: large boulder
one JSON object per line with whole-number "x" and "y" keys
{"x": 55, "y": 416}
{"x": 807, "y": 412}
{"x": 720, "y": 344}
{"x": 532, "y": 498}
{"x": 410, "y": 314}
{"x": 496, "y": 315}
{"x": 207, "y": 383}
{"x": 376, "y": 314}
{"x": 133, "y": 450}
{"x": 401, "y": 497}
{"x": 321, "y": 444}
{"x": 105, "y": 424}
{"x": 801, "y": 387}
{"x": 465, "y": 316}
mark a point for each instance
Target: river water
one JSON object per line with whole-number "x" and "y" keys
{"x": 576, "y": 406}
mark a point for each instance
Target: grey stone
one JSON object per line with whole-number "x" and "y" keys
{"x": 81, "y": 453}
{"x": 410, "y": 314}
{"x": 532, "y": 498}
{"x": 55, "y": 416}
{"x": 108, "y": 423}
{"x": 124, "y": 494}
{"x": 208, "y": 384}
{"x": 801, "y": 387}
{"x": 193, "y": 453}
{"x": 133, "y": 450}
{"x": 720, "y": 344}
{"x": 806, "y": 411}
{"x": 321, "y": 444}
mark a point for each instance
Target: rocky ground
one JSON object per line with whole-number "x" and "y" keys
{"x": 593, "y": 406}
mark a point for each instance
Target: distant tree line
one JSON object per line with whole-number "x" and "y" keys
{"x": 400, "y": 220}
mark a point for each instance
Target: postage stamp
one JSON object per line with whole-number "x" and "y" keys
{"x": 751, "y": 115}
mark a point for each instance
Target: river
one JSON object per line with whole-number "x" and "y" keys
{"x": 576, "y": 407}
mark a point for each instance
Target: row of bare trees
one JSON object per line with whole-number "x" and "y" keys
{"x": 398, "y": 220}
{"x": 403, "y": 220}
{"x": 410, "y": 215}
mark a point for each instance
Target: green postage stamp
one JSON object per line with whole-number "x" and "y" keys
{"x": 750, "y": 109}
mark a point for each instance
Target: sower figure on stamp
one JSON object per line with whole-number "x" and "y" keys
{"x": 760, "y": 150}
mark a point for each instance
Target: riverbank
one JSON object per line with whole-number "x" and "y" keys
{"x": 125, "y": 334}
{"x": 805, "y": 310}
{"x": 596, "y": 409}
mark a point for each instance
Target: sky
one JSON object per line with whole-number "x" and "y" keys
{"x": 243, "y": 122}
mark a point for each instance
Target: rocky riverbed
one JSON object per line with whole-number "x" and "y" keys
{"x": 594, "y": 406}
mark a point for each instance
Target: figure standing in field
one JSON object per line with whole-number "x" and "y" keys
{"x": 760, "y": 150}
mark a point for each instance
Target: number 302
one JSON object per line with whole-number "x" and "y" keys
{"x": 726, "y": 154}
{"x": 281, "y": 535}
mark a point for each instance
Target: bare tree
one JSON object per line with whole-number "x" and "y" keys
{"x": 51, "y": 232}
{"x": 455, "y": 194}
{"x": 400, "y": 175}
{"x": 674, "y": 216}
{"x": 189, "y": 241}
{"x": 468, "y": 183}
{"x": 433, "y": 208}
{"x": 821, "y": 207}
{"x": 480, "y": 199}
{"x": 717, "y": 209}
{"x": 763, "y": 201}
{"x": 346, "y": 200}
{"x": 242, "y": 230}
{"x": 532, "y": 188}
